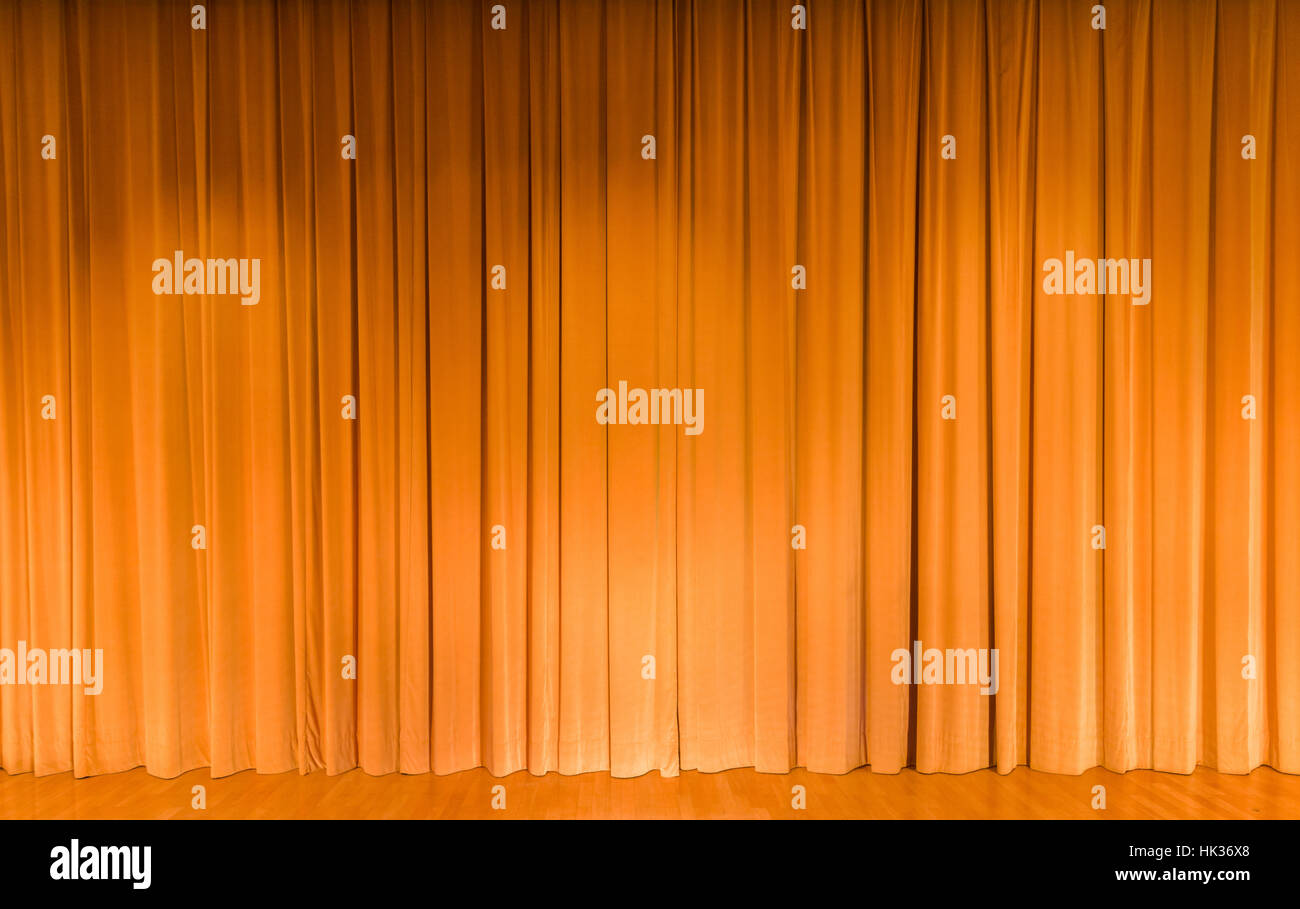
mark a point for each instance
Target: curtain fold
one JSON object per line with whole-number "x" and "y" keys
{"x": 373, "y": 518}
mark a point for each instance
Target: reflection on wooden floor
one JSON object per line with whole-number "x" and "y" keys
{"x": 1024, "y": 793}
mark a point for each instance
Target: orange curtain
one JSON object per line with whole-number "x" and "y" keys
{"x": 842, "y": 237}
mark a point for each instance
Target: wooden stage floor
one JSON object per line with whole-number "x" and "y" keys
{"x": 744, "y": 793}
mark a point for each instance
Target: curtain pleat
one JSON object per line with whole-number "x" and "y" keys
{"x": 895, "y": 32}
{"x": 1065, "y": 413}
{"x": 372, "y": 520}
{"x": 1282, "y": 490}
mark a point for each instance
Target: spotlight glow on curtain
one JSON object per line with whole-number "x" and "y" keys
{"x": 371, "y": 518}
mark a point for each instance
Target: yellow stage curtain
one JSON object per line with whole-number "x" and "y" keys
{"x": 842, "y": 234}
